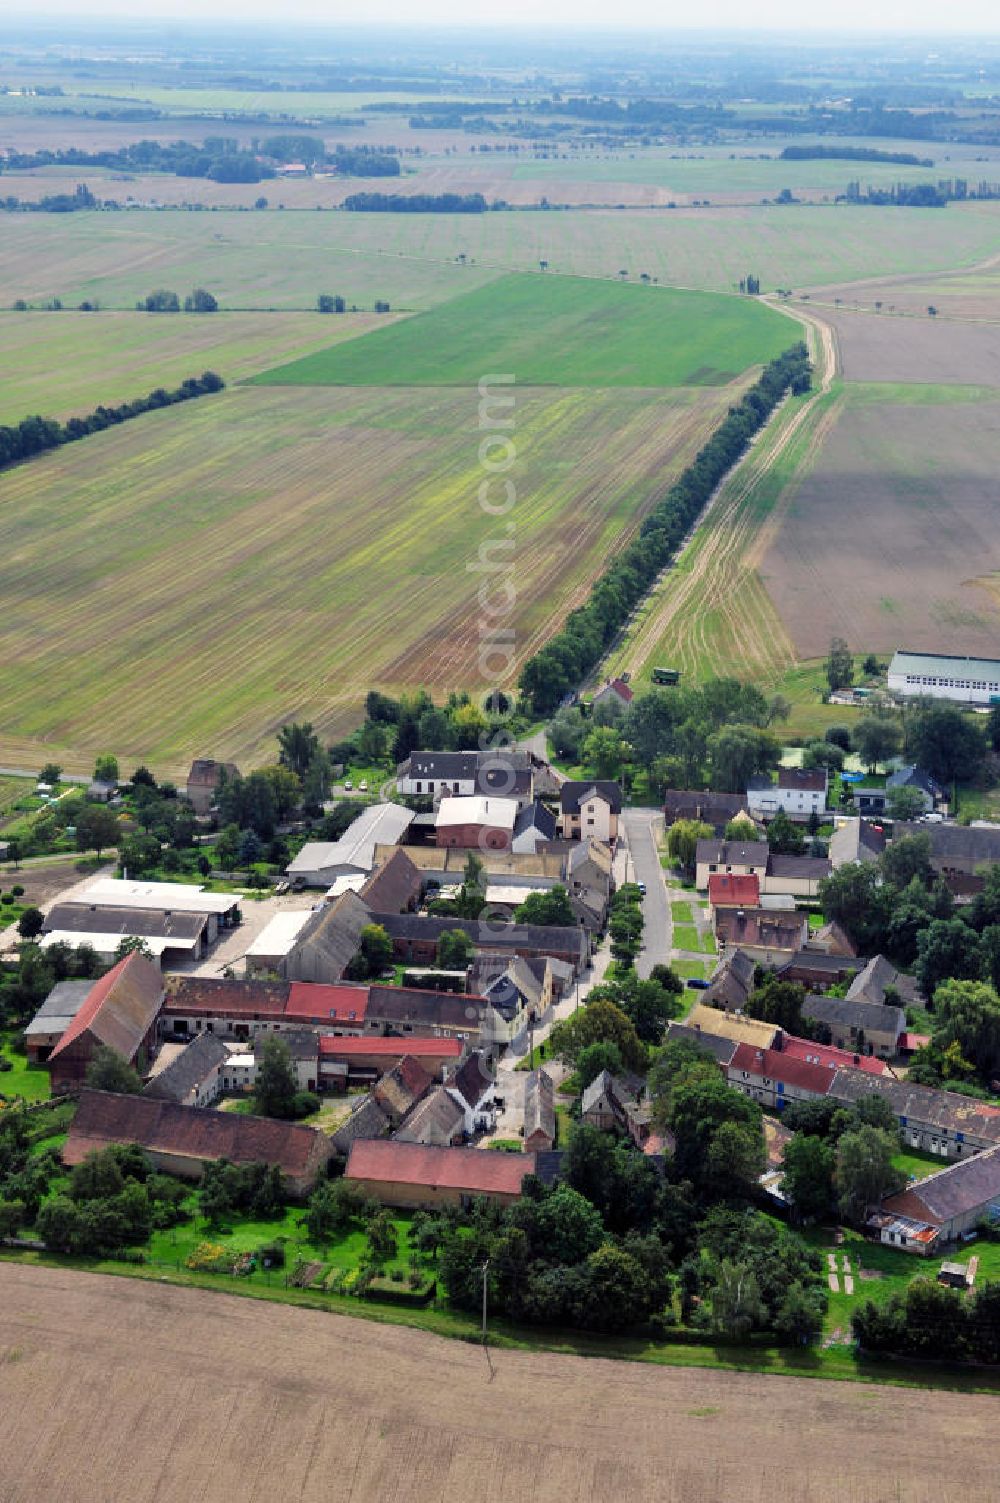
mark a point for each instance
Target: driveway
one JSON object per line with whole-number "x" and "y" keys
{"x": 642, "y": 828}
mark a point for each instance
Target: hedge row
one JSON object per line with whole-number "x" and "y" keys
{"x": 35, "y": 434}
{"x": 566, "y": 660}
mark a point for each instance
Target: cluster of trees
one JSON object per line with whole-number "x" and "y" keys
{"x": 625, "y": 924}
{"x": 33, "y": 435}
{"x": 929, "y": 1321}
{"x": 51, "y": 203}
{"x": 852, "y": 154}
{"x": 555, "y": 671}
{"x": 964, "y": 1051}
{"x": 719, "y": 733}
{"x": 276, "y": 1090}
{"x": 921, "y": 195}
{"x": 219, "y": 158}
{"x": 623, "y": 1019}
{"x": 254, "y": 1189}
{"x": 840, "y": 1157}
{"x": 162, "y": 300}
{"x": 416, "y": 203}
{"x": 113, "y": 1201}
{"x": 896, "y": 906}
{"x": 393, "y": 728}
{"x": 25, "y": 1175}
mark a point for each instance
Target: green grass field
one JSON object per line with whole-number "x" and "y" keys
{"x": 557, "y": 331}
{"x": 61, "y": 364}
{"x": 30, "y": 1082}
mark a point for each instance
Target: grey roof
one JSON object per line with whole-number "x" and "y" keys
{"x": 716, "y": 809}
{"x": 303, "y": 1043}
{"x": 944, "y": 665}
{"x": 536, "y": 816}
{"x": 512, "y": 937}
{"x": 915, "y": 777}
{"x": 732, "y": 852}
{"x": 383, "y": 824}
{"x": 438, "y": 1117}
{"x": 840, "y": 1013}
{"x": 59, "y": 1008}
{"x": 763, "y": 928}
{"x": 918, "y": 1103}
{"x": 809, "y": 868}
{"x": 396, "y": 1005}
{"x": 572, "y": 794}
{"x": 328, "y": 940}
{"x": 472, "y": 1079}
{"x": 192, "y": 1066}
{"x": 856, "y": 840}
{"x": 732, "y": 982}
{"x": 368, "y": 1120}
{"x": 954, "y": 1191}
{"x": 502, "y": 772}
{"x": 870, "y": 983}
{"x": 970, "y": 843}
{"x": 539, "y": 1104}
{"x": 825, "y": 962}
{"x": 721, "y": 1049}
{"x": 82, "y": 918}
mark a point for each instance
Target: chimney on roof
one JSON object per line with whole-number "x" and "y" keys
{"x": 857, "y": 1059}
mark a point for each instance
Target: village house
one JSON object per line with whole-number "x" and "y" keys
{"x": 816, "y": 966}
{"x": 775, "y": 1078}
{"x": 794, "y": 876}
{"x": 767, "y": 935}
{"x": 726, "y": 890}
{"x": 873, "y": 798}
{"x": 939, "y": 1122}
{"x": 796, "y": 791}
{"x": 945, "y": 1205}
{"x": 732, "y": 982}
{"x": 721, "y": 1049}
{"x": 321, "y": 862}
{"x": 718, "y": 810}
{"x": 505, "y": 773}
{"x": 728, "y": 1025}
{"x": 858, "y": 1026}
{"x": 189, "y": 1074}
{"x": 879, "y": 982}
{"x": 539, "y": 1112}
{"x": 203, "y": 782}
{"x": 400, "y": 1088}
{"x": 477, "y": 822}
{"x": 437, "y": 1120}
{"x": 415, "y": 1176}
{"x": 855, "y": 840}
{"x": 590, "y": 810}
{"x": 604, "y": 1102}
{"x": 738, "y": 858}
{"x": 362, "y": 1060}
{"x": 181, "y": 1140}
{"x": 534, "y": 828}
{"x": 415, "y": 938}
{"x": 395, "y": 886}
{"x": 367, "y": 1119}
{"x": 959, "y": 853}
{"x": 613, "y": 691}
{"x": 266, "y": 955}
{"x": 327, "y": 942}
{"x": 119, "y": 1012}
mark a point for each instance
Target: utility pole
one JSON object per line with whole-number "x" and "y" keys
{"x": 485, "y": 1270}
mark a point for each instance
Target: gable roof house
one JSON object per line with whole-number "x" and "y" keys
{"x": 321, "y": 862}
{"x": 715, "y": 809}
{"x": 119, "y": 1012}
{"x": 732, "y": 982}
{"x": 181, "y": 1140}
{"x": 395, "y": 886}
{"x": 504, "y": 773}
{"x": 739, "y": 858}
{"x": 399, "y": 1089}
{"x": 203, "y": 782}
{"x": 873, "y": 799}
{"x": 439, "y": 1120}
{"x": 795, "y": 876}
{"x": 939, "y": 1122}
{"x": 368, "y": 1119}
{"x": 539, "y": 1112}
{"x": 959, "y": 853}
{"x": 876, "y": 982}
{"x": 363, "y": 1059}
{"x": 727, "y": 890}
{"x": 858, "y": 1026}
{"x": 534, "y": 826}
{"x": 767, "y": 935}
{"x": 327, "y": 943}
{"x": 472, "y": 1085}
{"x": 419, "y": 1177}
{"x": 721, "y": 1049}
{"x": 604, "y": 1103}
{"x": 613, "y": 691}
{"x": 415, "y": 937}
{"x": 728, "y": 1025}
{"x": 590, "y": 810}
{"x": 949, "y": 1203}
{"x": 774, "y": 1078}
{"x": 194, "y": 1076}
{"x": 855, "y": 840}
{"x": 798, "y": 791}
{"x": 475, "y": 822}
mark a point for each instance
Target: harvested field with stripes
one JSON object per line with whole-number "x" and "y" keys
{"x": 270, "y": 553}
{"x": 195, "y": 1394}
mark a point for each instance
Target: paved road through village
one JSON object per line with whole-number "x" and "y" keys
{"x": 642, "y": 828}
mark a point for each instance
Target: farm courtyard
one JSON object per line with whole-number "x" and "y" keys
{"x": 201, "y": 1394}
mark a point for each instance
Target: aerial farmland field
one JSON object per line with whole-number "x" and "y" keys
{"x": 65, "y": 363}
{"x": 272, "y": 552}
{"x": 557, "y": 331}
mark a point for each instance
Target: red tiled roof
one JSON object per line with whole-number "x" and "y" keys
{"x": 120, "y": 1008}
{"x": 912, "y": 1041}
{"x": 477, "y": 1171}
{"x": 622, "y": 690}
{"x": 190, "y": 1132}
{"x": 395, "y": 1048}
{"x": 773, "y": 1064}
{"x": 340, "y": 1004}
{"x": 733, "y": 890}
{"x": 834, "y": 1059}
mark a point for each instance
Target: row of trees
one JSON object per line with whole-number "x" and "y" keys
{"x": 416, "y": 203}
{"x": 933, "y": 1323}
{"x": 560, "y": 666}
{"x": 219, "y": 158}
{"x": 33, "y": 435}
{"x": 162, "y": 300}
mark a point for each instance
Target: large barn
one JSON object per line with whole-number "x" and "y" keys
{"x": 967, "y": 681}
{"x": 119, "y": 1011}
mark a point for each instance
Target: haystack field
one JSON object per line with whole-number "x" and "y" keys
{"x": 270, "y": 553}
{"x": 113, "y": 1389}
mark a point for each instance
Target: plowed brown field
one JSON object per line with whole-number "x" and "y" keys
{"x": 114, "y": 1391}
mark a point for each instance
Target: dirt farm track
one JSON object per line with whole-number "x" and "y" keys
{"x": 119, "y": 1391}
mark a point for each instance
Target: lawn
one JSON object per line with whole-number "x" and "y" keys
{"x": 26, "y": 1080}
{"x": 557, "y": 331}
{"x": 696, "y": 970}
{"x": 686, "y": 937}
{"x": 681, "y": 913}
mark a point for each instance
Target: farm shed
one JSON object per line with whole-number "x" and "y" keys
{"x": 929, "y": 675}
{"x": 414, "y": 1175}
{"x": 320, "y": 862}
{"x": 119, "y": 1012}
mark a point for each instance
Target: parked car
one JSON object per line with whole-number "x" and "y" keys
{"x": 348, "y": 786}
{"x": 696, "y": 984}
{"x": 362, "y": 787}
{"x": 642, "y": 888}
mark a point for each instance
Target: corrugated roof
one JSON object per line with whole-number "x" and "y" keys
{"x": 356, "y": 847}
{"x": 82, "y": 918}
{"x": 172, "y": 897}
{"x": 953, "y": 1191}
{"x": 350, "y": 1045}
{"x": 944, "y": 665}
{"x": 474, "y": 1171}
{"x": 477, "y": 809}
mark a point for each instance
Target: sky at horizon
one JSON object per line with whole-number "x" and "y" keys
{"x": 838, "y": 17}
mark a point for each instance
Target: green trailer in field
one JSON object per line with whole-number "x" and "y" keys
{"x": 666, "y": 675}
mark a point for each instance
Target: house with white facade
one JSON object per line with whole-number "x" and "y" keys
{"x": 796, "y": 791}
